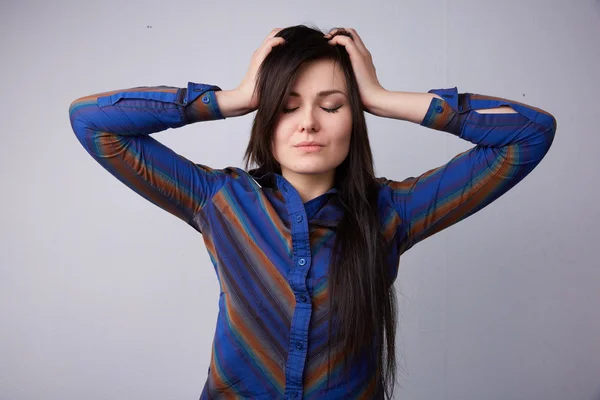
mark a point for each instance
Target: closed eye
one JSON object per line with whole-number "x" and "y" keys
{"x": 329, "y": 110}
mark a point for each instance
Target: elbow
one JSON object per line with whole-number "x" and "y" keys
{"x": 74, "y": 112}
{"x": 74, "y": 106}
{"x": 553, "y": 126}
{"x": 551, "y": 132}
{"x": 547, "y": 122}
{"x": 79, "y": 123}
{"x": 548, "y": 135}
{"x": 539, "y": 140}
{"x": 81, "y": 112}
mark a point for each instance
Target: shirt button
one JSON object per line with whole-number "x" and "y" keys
{"x": 294, "y": 394}
{"x": 205, "y": 99}
{"x": 302, "y": 261}
{"x": 299, "y": 218}
{"x": 303, "y": 298}
{"x": 299, "y": 346}
{"x": 439, "y": 109}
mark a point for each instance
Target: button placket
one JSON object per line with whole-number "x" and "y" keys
{"x": 301, "y": 254}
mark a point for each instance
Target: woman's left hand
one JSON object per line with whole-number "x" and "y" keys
{"x": 362, "y": 64}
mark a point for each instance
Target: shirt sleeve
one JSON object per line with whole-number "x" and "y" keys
{"x": 115, "y": 127}
{"x": 508, "y": 147}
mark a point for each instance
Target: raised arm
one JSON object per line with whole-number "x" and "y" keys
{"x": 115, "y": 127}
{"x": 511, "y": 139}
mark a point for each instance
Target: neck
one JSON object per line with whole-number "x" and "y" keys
{"x": 310, "y": 186}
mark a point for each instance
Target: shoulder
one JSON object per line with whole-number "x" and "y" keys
{"x": 234, "y": 176}
{"x": 398, "y": 187}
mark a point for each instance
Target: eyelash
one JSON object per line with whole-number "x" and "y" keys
{"x": 329, "y": 110}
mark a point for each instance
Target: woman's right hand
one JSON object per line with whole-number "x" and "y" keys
{"x": 245, "y": 90}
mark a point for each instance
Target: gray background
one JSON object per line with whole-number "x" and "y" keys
{"x": 105, "y": 296}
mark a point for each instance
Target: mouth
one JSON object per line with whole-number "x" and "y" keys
{"x": 310, "y": 148}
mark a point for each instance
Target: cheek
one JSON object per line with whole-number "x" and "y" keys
{"x": 278, "y": 146}
{"x": 274, "y": 149}
{"x": 341, "y": 129}
{"x": 342, "y": 136}
{"x": 343, "y": 146}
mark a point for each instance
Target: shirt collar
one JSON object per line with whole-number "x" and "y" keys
{"x": 329, "y": 216}
{"x": 274, "y": 180}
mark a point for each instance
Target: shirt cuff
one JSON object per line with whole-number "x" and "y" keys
{"x": 440, "y": 112}
{"x": 206, "y": 108}
{"x": 450, "y": 95}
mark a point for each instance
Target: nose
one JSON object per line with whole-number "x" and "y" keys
{"x": 310, "y": 128}
{"x": 309, "y": 123}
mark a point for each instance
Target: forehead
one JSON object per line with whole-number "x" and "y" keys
{"x": 315, "y": 76}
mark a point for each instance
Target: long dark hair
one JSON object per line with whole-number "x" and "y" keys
{"x": 361, "y": 295}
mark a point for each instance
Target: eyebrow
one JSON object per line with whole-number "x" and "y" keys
{"x": 321, "y": 93}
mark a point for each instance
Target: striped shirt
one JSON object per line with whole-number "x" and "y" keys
{"x": 270, "y": 251}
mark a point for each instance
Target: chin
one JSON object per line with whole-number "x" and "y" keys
{"x": 311, "y": 169}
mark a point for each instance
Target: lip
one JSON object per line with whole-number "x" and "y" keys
{"x": 311, "y": 143}
{"x": 310, "y": 149}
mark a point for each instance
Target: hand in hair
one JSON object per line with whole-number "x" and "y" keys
{"x": 246, "y": 89}
{"x": 362, "y": 64}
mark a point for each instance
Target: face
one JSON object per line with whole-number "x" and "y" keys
{"x": 311, "y": 116}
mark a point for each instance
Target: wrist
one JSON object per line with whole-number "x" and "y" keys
{"x": 232, "y": 103}
{"x": 376, "y": 103}
{"x": 406, "y": 106}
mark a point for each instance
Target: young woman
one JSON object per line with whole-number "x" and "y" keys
{"x": 306, "y": 246}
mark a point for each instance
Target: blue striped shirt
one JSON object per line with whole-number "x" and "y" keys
{"x": 270, "y": 250}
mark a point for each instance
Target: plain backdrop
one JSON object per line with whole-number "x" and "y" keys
{"x": 105, "y": 296}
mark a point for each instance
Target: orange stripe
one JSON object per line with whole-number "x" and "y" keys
{"x": 318, "y": 376}
{"x": 473, "y": 201}
{"x": 268, "y": 269}
{"x": 94, "y": 97}
{"x": 125, "y": 168}
{"x": 274, "y": 371}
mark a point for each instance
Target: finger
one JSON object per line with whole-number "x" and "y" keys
{"x": 332, "y": 31}
{"x": 276, "y": 41}
{"x": 355, "y": 38}
{"x": 269, "y": 45}
{"x": 358, "y": 40}
{"x": 271, "y": 35}
{"x": 348, "y": 43}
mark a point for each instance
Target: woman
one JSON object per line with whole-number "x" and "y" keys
{"x": 306, "y": 245}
